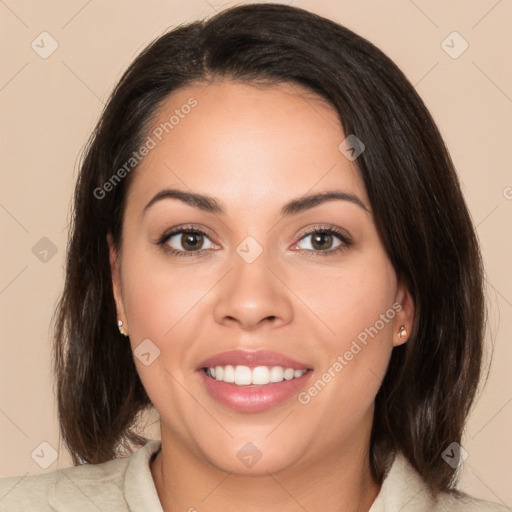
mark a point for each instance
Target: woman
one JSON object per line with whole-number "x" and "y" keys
{"x": 269, "y": 246}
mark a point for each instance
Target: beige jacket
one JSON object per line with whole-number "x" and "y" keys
{"x": 126, "y": 484}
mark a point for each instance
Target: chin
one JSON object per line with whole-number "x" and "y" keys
{"x": 250, "y": 458}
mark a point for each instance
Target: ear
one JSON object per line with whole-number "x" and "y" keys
{"x": 115, "y": 270}
{"x": 404, "y": 307}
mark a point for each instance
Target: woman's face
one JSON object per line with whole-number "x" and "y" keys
{"x": 251, "y": 280}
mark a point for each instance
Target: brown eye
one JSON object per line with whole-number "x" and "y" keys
{"x": 191, "y": 241}
{"x": 182, "y": 241}
{"x": 322, "y": 241}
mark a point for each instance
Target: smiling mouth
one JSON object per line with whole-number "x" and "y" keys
{"x": 245, "y": 376}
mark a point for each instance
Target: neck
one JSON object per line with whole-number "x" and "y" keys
{"x": 338, "y": 481}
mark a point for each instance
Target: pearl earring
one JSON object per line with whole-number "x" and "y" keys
{"x": 402, "y": 333}
{"x": 120, "y": 325}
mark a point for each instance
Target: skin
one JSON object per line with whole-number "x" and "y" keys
{"x": 254, "y": 148}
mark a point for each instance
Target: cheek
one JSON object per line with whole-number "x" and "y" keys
{"x": 157, "y": 296}
{"x": 355, "y": 349}
{"x": 352, "y": 300}
{"x": 163, "y": 304}
{"x": 356, "y": 308}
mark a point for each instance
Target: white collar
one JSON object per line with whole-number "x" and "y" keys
{"x": 402, "y": 489}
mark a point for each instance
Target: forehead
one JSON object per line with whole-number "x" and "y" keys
{"x": 246, "y": 144}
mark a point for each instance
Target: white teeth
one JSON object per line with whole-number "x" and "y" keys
{"x": 276, "y": 374}
{"x": 242, "y": 375}
{"x": 258, "y": 376}
{"x": 229, "y": 374}
{"x": 288, "y": 373}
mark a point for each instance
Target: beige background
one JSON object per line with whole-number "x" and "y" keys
{"x": 49, "y": 106}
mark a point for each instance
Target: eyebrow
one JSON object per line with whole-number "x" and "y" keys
{"x": 211, "y": 205}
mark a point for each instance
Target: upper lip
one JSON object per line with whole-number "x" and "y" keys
{"x": 253, "y": 359}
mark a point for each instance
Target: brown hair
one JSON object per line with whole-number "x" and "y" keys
{"x": 418, "y": 207}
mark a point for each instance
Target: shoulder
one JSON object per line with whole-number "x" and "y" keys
{"x": 403, "y": 489}
{"x": 464, "y": 503}
{"x": 85, "y": 487}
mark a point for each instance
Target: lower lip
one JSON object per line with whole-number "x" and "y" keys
{"x": 253, "y": 398}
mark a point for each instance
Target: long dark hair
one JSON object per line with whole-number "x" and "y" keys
{"x": 418, "y": 207}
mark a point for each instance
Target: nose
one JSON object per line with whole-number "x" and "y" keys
{"x": 253, "y": 294}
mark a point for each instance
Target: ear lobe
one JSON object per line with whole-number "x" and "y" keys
{"x": 402, "y": 324}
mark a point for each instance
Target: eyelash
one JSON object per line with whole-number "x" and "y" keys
{"x": 345, "y": 239}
